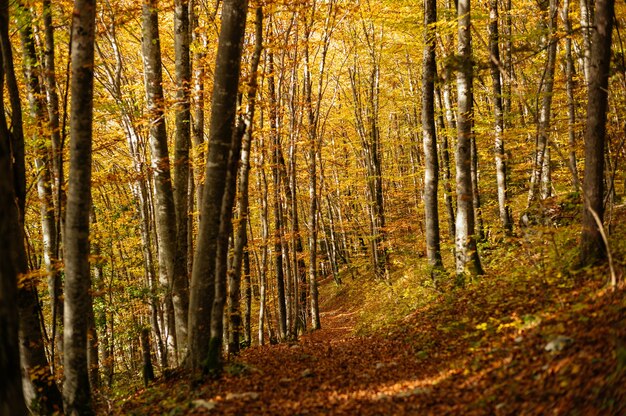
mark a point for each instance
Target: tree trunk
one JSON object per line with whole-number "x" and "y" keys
{"x": 78, "y": 306}
{"x": 586, "y": 17}
{"x": 500, "y": 155}
{"x": 43, "y": 163}
{"x": 181, "y": 167}
{"x": 540, "y": 177}
{"x": 467, "y": 260}
{"x": 431, "y": 168}
{"x": 164, "y": 202}
{"x": 210, "y": 256}
{"x": 592, "y": 248}
{"x": 569, "y": 87}
{"x": 241, "y": 236}
{"x": 11, "y": 392}
{"x": 39, "y": 389}
{"x": 147, "y": 368}
{"x": 55, "y": 288}
{"x": 278, "y": 214}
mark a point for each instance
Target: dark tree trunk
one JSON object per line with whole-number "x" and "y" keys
{"x": 207, "y": 287}
{"x": 592, "y": 247}
{"x": 147, "y": 368}
{"x": 181, "y": 167}
{"x": 11, "y": 393}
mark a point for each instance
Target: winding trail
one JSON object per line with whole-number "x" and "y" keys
{"x": 327, "y": 372}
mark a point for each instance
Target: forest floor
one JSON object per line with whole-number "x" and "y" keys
{"x": 459, "y": 357}
{"x": 534, "y": 341}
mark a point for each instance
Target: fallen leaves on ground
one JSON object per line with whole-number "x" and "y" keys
{"x": 478, "y": 350}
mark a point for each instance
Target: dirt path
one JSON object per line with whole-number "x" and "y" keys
{"x": 326, "y": 372}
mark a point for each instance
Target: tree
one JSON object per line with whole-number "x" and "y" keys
{"x": 498, "y": 112}
{"x": 76, "y": 392}
{"x": 467, "y": 260}
{"x": 165, "y": 215}
{"x": 205, "y": 337}
{"x": 11, "y": 394}
{"x": 41, "y": 394}
{"x": 592, "y": 247}
{"x": 431, "y": 168}
{"x": 241, "y": 234}
{"x": 540, "y": 181}
{"x": 181, "y": 165}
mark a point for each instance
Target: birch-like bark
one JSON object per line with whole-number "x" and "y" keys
{"x": 540, "y": 176}
{"x": 496, "y": 82}
{"x": 431, "y": 165}
{"x": 467, "y": 260}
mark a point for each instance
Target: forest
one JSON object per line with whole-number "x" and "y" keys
{"x": 312, "y": 207}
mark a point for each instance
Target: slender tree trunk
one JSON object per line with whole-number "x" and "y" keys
{"x": 78, "y": 306}
{"x": 312, "y": 168}
{"x": 54, "y": 286}
{"x": 199, "y": 72}
{"x": 586, "y": 18}
{"x": 212, "y": 246}
{"x": 431, "y": 168}
{"x": 500, "y": 155}
{"x": 540, "y": 179}
{"x": 182, "y": 167}
{"x": 569, "y": 87}
{"x": 164, "y": 199}
{"x": 241, "y": 236}
{"x": 467, "y": 260}
{"x": 445, "y": 166}
{"x": 592, "y": 247}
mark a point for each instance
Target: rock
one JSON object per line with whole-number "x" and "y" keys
{"x": 251, "y": 395}
{"x": 558, "y": 344}
{"x": 209, "y": 405}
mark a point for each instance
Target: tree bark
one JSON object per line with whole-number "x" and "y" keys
{"x": 431, "y": 165}
{"x": 78, "y": 306}
{"x": 467, "y": 260}
{"x": 11, "y": 392}
{"x": 204, "y": 346}
{"x": 569, "y": 87}
{"x": 500, "y": 155}
{"x": 241, "y": 236}
{"x": 164, "y": 198}
{"x": 540, "y": 177}
{"x": 182, "y": 167}
{"x": 592, "y": 247}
